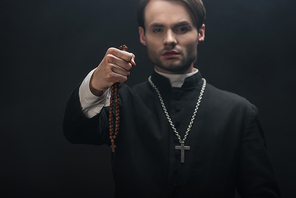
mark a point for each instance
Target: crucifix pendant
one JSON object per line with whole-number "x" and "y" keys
{"x": 113, "y": 146}
{"x": 182, "y": 148}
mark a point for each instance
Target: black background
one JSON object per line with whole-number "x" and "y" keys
{"x": 49, "y": 46}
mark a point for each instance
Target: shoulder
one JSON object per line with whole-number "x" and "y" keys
{"x": 138, "y": 91}
{"x": 141, "y": 87}
{"x": 228, "y": 100}
{"x": 224, "y": 95}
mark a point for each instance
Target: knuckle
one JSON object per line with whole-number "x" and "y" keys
{"x": 110, "y": 76}
{"x": 130, "y": 56}
{"x": 109, "y": 58}
{"x": 110, "y": 68}
{"x": 123, "y": 79}
{"x": 111, "y": 50}
{"x": 129, "y": 66}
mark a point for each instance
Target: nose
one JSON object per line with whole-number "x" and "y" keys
{"x": 169, "y": 39}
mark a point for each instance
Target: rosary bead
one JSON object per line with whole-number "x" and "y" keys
{"x": 114, "y": 105}
{"x": 123, "y": 48}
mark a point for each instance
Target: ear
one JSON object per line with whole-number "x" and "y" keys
{"x": 142, "y": 36}
{"x": 202, "y": 33}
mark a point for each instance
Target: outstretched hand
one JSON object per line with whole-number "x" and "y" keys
{"x": 115, "y": 67}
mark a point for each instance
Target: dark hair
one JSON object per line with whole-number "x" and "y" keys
{"x": 196, "y": 8}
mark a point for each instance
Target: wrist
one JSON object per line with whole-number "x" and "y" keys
{"x": 95, "y": 91}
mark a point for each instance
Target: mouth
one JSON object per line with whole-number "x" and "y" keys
{"x": 169, "y": 54}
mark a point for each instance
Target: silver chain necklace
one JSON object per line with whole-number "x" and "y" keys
{"x": 181, "y": 141}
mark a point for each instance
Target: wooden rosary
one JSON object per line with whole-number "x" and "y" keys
{"x": 114, "y": 120}
{"x": 114, "y": 110}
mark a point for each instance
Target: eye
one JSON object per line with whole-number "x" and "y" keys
{"x": 182, "y": 30}
{"x": 157, "y": 30}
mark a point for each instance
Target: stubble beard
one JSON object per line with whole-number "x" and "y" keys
{"x": 173, "y": 65}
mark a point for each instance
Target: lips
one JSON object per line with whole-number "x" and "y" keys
{"x": 170, "y": 54}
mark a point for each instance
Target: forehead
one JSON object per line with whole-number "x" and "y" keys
{"x": 166, "y": 12}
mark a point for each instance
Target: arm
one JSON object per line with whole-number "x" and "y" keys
{"x": 115, "y": 67}
{"x": 85, "y": 121}
{"x": 255, "y": 176}
{"x": 79, "y": 129}
{"x": 91, "y": 104}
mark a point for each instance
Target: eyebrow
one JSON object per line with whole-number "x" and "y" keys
{"x": 156, "y": 25}
{"x": 182, "y": 23}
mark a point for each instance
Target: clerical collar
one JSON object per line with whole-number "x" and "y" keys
{"x": 177, "y": 80}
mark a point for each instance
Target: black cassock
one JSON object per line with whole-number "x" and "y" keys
{"x": 227, "y": 144}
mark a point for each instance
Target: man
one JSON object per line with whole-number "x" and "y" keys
{"x": 179, "y": 136}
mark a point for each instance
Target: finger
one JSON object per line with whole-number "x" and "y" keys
{"x": 117, "y": 74}
{"x": 132, "y": 61}
{"x": 120, "y": 70}
{"x": 124, "y": 55}
{"x": 111, "y": 59}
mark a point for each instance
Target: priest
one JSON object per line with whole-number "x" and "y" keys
{"x": 174, "y": 135}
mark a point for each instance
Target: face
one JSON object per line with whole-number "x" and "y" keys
{"x": 170, "y": 36}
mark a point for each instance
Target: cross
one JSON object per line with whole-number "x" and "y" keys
{"x": 113, "y": 146}
{"x": 182, "y": 148}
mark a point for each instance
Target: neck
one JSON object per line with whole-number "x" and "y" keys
{"x": 186, "y": 71}
{"x": 177, "y": 80}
